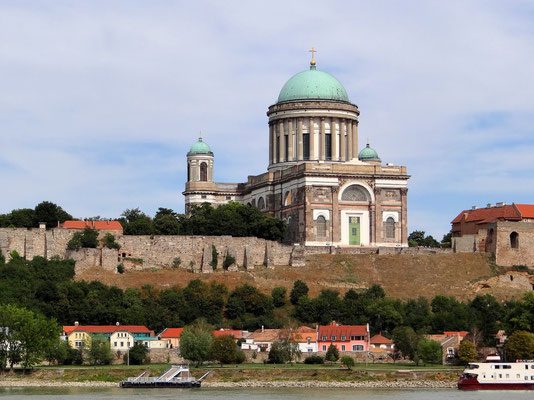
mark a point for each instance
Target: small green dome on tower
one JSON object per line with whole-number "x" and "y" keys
{"x": 313, "y": 85}
{"x": 368, "y": 154}
{"x": 200, "y": 147}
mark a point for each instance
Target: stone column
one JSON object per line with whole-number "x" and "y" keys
{"x": 349, "y": 140}
{"x": 271, "y": 147}
{"x": 335, "y": 142}
{"x": 372, "y": 220}
{"x": 354, "y": 139}
{"x": 290, "y": 155}
{"x": 378, "y": 212}
{"x": 273, "y": 144}
{"x": 343, "y": 138}
{"x": 336, "y": 226}
{"x": 312, "y": 140}
{"x": 308, "y": 228}
{"x": 404, "y": 216}
{"x": 299, "y": 134}
{"x": 282, "y": 141}
{"x": 322, "y": 154}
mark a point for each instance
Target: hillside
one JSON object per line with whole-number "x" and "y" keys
{"x": 401, "y": 276}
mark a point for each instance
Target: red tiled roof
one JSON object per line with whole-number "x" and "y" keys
{"x": 108, "y": 329}
{"x": 99, "y": 225}
{"x": 342, "y": 330}
{"x": 526, "y": 210}
{"x": 171, "y": 333}
{"x": 379, "y": 339}
{"x": 492, "y": 214}
{"x": 266, "y": 335}
{"x": 456, "y": 333}
{"x": 235, "y": 333}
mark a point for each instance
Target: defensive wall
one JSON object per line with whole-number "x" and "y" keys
{"x": 194, "y": 253}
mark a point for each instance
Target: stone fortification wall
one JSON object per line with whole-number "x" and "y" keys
{"x": 523, "y": 254}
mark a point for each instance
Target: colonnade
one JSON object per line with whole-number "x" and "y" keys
{"x": 308, "y": 138}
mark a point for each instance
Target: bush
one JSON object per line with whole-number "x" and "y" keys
{"x": 86, "y": 239}
{"x": 109, "y": 241}
{"x": 240, "y": 357}
{"x": 138, "y": 355}
{"x": 347, "y": 361}
{"x": 278, "y": 295}
{"x": 176, "y": 262}
{"x": 228, "y": 260}
{"x": 314, "y": 360}
{"x": 120, "y": 269}
{"x": 214, "y": 256}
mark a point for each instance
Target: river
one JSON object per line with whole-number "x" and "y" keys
{"x": 258, "y": 394}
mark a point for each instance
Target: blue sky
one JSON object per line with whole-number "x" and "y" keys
{"x": 101, "y": 100}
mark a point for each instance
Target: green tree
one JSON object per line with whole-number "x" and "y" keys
{"x": 332, "y": 353}
{"x": 57, "y": 352}
{"x": 196, "y": 341}
{"x": 467, "y": 352}
{"x": 99, "y": 353}
{"x": 278, "y": 296}
{"x": 418, "y": 238}
{"x": 348, "y": 362}
{"x": 50, "y": 213}
{"x": 283, "y": 351}
{"x": 406, "y": 340}
{"x": 224, "y": 350}
{"x": 167, "y": 224}
{"x": 22, "y": 218}
{"x": 88, "y": 238}
{"x": 299, "y": 289}
{"x": 429, "y": 351}
{"x": 137, "y": 355}
{"x": 520, "y": 346}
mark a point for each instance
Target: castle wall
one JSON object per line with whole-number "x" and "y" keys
{"x": 522, "y": 255}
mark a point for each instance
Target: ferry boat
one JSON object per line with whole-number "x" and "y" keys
{"x": 177, "y": 376}
{"x": 494, "y": 374}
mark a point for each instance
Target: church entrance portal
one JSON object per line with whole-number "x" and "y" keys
{"x": 354, "y": 230}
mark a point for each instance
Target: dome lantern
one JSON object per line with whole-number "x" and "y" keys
{"x": 368, "y": 154}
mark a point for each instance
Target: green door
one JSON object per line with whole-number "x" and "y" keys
{"x": 354, "y": 230}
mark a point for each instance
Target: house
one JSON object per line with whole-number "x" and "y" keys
{"x": 172, "y": 336}
{"x": 450, "y": 342}
{"x": 500, "y": 338}
{"x": 506, "y": 231}
{"x": 80, "y": 336}
{"x": 306, "y": 338}
{"x": 344, "y": 337}
{"x": 236, "y": 334}
{"x": 113, "y": 227}
{"x": 381, "y": 343}
{"x": 261, "y": 339}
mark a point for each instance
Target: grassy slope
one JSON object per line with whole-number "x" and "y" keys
{"x": 402, "y": 276}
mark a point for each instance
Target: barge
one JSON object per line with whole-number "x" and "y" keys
{"x": 177, "y": 376}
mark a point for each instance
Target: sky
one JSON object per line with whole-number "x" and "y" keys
{"x": 101, "y": 100}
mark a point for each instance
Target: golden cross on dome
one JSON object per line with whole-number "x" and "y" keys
{"x": 313, "y": 51}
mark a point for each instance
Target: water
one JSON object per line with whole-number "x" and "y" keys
{"x": 258, "y": 394}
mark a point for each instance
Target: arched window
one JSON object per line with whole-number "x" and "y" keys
{"x": 287, "y": 199}
{"x": 261, "y": 203}
{"x": 321, "y": 226}
{"x": 514, "y": 240}
{"x": 203, "y": 172}
{"x": 355, "y": 193}
{"x": 390, "y": 228}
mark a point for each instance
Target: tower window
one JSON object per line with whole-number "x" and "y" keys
{"x": 286, "y": 148}
{"x": 203, "y": 172}
{"x": 321, "y": 226}
{"x": 188, "y": 172}
{"x": 306, "y": 146}
{"x": 261, "y": 203}
{"x": 514, "y": 240}
{"x": 390, "y": 228}
{"x": 278, "y": 149}
{"x": 328, "y": 146}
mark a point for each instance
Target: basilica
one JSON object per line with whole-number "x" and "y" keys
{"x": 328, "y": 191}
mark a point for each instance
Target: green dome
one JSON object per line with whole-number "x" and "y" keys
{"x": 200, "y": 147}
{"x": 313, "y": 85}
{"x": 368, "y": 154}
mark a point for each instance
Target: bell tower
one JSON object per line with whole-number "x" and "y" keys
{"x": 200, "y": 162}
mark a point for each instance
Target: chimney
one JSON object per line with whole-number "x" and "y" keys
{"x": 500, "y": 204}
{"x": 42, "y": 226}
{"x": 489, "y": 205}
{"x": 474, "y": 208}
{"x": 117, "y": 323}
{"x": 262, "y": 328}
{"x": 76, "y": 323}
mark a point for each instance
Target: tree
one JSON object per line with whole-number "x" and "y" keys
{"x": 99, "y": 352}
{"x": 50, "y": 213}
{"x": 299, "y": 289}
{"x": 418, "y": 238}
{"x": 332, "y": 353}
{"x": 283, "y": 351}
{"x": 347, "y": 362}
{"x": 167, "y": 224}
{"x": 429, "y": 351}
{"x": 278, "y": 295}
{"x": 137, "y": 354}
{"x": 467, "y": 352}
{"x": 520, "y": 346}
{"x": 88, "y": 238}
{"x": 196, "y": 341}
{"x": 447, "y": 240}
{"x": 406, "y": 340}
{"x": 224, "y": 349}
